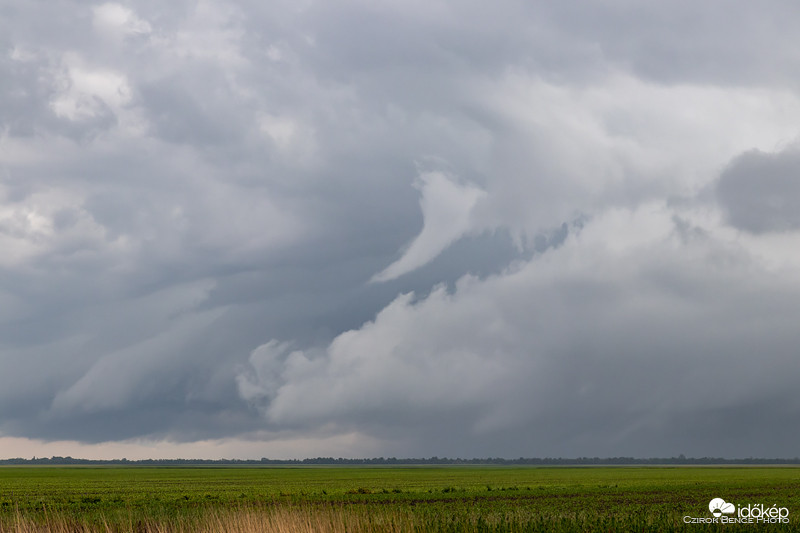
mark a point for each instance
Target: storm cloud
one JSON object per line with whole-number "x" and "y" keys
{"x": 761, "y": 191}
{"x": 405, "y": 228}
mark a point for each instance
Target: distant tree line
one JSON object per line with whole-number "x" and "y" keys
{"x": 680, "y": 460}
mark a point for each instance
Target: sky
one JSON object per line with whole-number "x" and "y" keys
{"x": 357, "y": 228}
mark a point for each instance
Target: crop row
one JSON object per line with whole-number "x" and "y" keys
{"x": 413, "y": 499}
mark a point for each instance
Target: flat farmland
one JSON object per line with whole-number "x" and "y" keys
{"x": 425, "y": 498}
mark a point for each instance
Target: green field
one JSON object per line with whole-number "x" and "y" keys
{"x": 386, "y": 498}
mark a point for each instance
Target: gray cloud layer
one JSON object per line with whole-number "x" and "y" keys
{"x": 518, "y": 229}
{"x": 760, "y": 192}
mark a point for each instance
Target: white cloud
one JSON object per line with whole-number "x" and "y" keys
{"x": 48, "y": 220}
{"x": 114, "y": 21}
{"x": 618, "y": 324}
{"x": 86, "y": 92}
{"x": 446, "y": 211}
{"x": 266, "y": 361}
{"x": 293, "y": 139}
{"x": 571, "y": 148}
{"x": 212, "y": 32}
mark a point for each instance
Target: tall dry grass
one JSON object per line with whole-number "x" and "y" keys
{"x": 274, "y": 520}
{"x": 354, "y": 519}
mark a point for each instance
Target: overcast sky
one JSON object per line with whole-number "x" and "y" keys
{"x": 400, "y": 228}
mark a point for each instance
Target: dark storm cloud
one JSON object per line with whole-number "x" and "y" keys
{"x": 169, "y": 229}
{"x": 616, "y": 356}
{"x": 195, "y": 196}
{"x": 761, "y": 191}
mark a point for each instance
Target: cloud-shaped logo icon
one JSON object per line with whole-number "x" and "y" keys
{"x": 718, "y": 506}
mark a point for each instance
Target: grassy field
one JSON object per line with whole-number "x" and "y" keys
{"x": 485, "y": 499}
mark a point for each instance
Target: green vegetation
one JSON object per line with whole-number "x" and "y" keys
{"x": 452, "y": 498}
{"x": 394, "y": 461}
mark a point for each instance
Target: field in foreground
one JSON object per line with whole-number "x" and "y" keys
{"x": 353, "y": 499}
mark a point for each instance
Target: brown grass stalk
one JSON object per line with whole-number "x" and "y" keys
{"x": 282, "y": 519}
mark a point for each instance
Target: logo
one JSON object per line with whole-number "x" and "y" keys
{"x": 723, "y": 512}
{"x": 718, "y": 507}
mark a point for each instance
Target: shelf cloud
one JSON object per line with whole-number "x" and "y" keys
{"x": 405, "y": 229}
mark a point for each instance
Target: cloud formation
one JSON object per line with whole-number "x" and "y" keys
{"x": 446, "y": 209}
{"x": 760, "y": 191}
{"x": 524, "y": 229}
{"x": 606, "y": 343}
